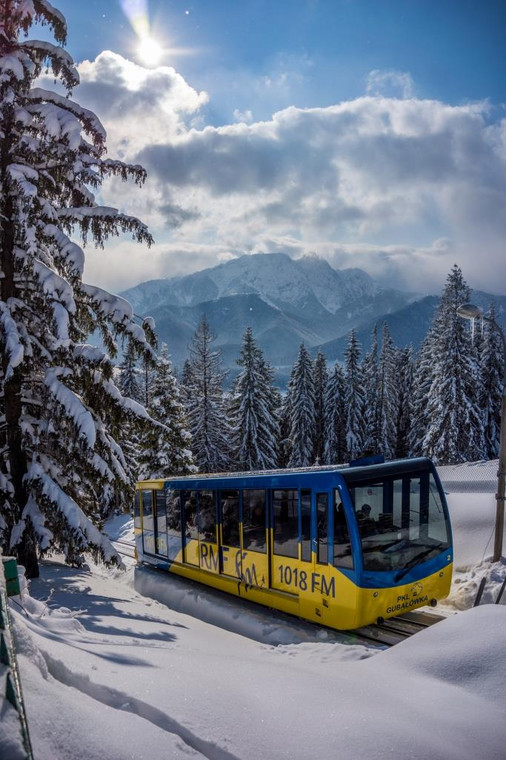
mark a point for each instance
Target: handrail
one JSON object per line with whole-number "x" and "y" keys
{"x": 9, "y": 586}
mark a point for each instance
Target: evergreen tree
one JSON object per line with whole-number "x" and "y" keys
{"x": 284, "y": 446}
{"x": 404, "y": 374}
{"x": 455, "y": 424}
{"x": 128, "y": 381}
{"x": 422, "y": 381}
{"x": 335, "y": 418}
{"x": 165, "y": 449}
{"x": 371, "y": 407}
{"x": 302, "y": 410}
{"x": 134, "y": 428}
{"x": 321, "y": 378}
{"x": 491, "y": 363}
{"x": 387, "y": 395}
{"x": 252, "y": 411}
{"x": 206, "y": 413}
{"x": 62, "y": 411}
{"x": 354, "y": 398}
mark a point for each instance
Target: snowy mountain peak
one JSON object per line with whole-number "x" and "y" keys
{"x": 275, "y": 277}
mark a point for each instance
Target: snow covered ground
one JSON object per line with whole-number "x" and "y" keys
{"x": 110, "y": 674}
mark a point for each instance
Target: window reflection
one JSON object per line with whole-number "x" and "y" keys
{"x": 230, "y": 518}
{"x": 404, "y": 524}
{"x": 254, "y": 526}
{"x": 322, "y": 503}
{"x": 343, "y": 556}
{"x": 285, "y": 522}
{"x": 207, "y": 516}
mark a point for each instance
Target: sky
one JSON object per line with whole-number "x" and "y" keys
{"x": 372, "y": 134}
{"x": 123, "y": 665}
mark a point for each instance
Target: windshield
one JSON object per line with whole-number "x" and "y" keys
{"x": 401, "y": 522}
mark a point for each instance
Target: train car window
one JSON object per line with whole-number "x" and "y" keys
{"x": 414, "y": 505}
{"x": 207, "y": 516}
{"x": 285, "y": 504}
{"x": 230, "y": 518}
{"x": 322, "y": 509}
{"x": 401, "y": 524}
{"x": 147, "y": 511}
{"x": 343, "y": 556}
{"x": 305, "y": 523}
{"x": 438, "y": 528}
{"x": 137, "y": 510}
{"x": 190, "y": 514}
{"x": 253, "y": 520}
{"x": 174, "y": 537}
{"x": 161, "y": 524}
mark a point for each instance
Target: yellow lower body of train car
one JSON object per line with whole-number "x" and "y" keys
{"x": 316, "y": 592}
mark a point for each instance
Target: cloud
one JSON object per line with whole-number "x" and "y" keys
{"x": 390, "y": 83}
{"x": 138, "y": 106}
{"x": 376, "y": 182}
{"x": 243, "y": 116}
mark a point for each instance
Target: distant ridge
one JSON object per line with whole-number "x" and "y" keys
{"x": 285, "y": 302}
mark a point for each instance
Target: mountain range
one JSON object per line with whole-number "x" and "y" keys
{"x": 286, "y": 302}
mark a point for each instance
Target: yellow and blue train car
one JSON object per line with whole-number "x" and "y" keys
{"x": 343, "y": 546}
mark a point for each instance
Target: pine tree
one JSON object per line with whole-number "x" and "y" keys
{"x": 321, "y": 378}
{"x": 404, "y": 374}
{"x": 284, "y": 446}
{"x": 371, "y": 407}
{"x": 206, "y": 412}
{"x": 387, "y": 395}
{"x": 134, "y": 428}
{"x": 128, "y": 380}
{"x": 455, "y": 425}
{"x": 62, "y": 411}
{"x": 335, "y": 418}
{"x": 301, "y": 391}
{"x": 491, "y": 363}
{"x": 165, "y": 449}
{"x": 252, "y": 411}
{"x": 354, "y": 398}
{"x": 422, "y": 381}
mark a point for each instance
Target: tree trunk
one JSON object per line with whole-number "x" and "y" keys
{"x": 26, "y": 552}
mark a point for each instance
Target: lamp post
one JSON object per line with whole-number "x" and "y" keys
{"x": 470, "y": 311}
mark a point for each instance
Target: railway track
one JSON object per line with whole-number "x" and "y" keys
{"x": 126, "y": 548}
{"x": 395, "y": 630}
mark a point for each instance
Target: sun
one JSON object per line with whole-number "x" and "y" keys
{"x": 150, "y": 51}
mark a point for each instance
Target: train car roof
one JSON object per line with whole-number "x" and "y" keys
{"x": 349, "y": 473}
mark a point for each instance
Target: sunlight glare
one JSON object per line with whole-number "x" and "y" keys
{"x": 150, "y": 51}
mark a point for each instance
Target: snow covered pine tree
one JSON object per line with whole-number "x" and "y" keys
{"x": 61, "y": 411}
{"x": 202, "y": 390}
{"x": 253, "y": 410}
{"x": 165, "y": 450}
{"x": 301, "y": 392}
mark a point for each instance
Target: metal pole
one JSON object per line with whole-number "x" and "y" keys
{"x": 501, "y": 472}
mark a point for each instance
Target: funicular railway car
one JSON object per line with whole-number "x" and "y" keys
{"x": 341, "y": 546}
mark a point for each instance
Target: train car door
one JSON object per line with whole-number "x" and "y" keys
{"x": 174, "y": 532}
{"x": 254, "y": 557}
{"x": 286, "y": 568}
{"x": 209, "y": 557}
{"x": 190, "y": 528}
{"x": 148, "y": 524}
{"x": 230, "y": 533}
{"x": 160, "y": 523}
{"x": 322, "y": 528}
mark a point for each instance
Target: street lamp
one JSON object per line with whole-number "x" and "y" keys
{"x": 470, "y": 311}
